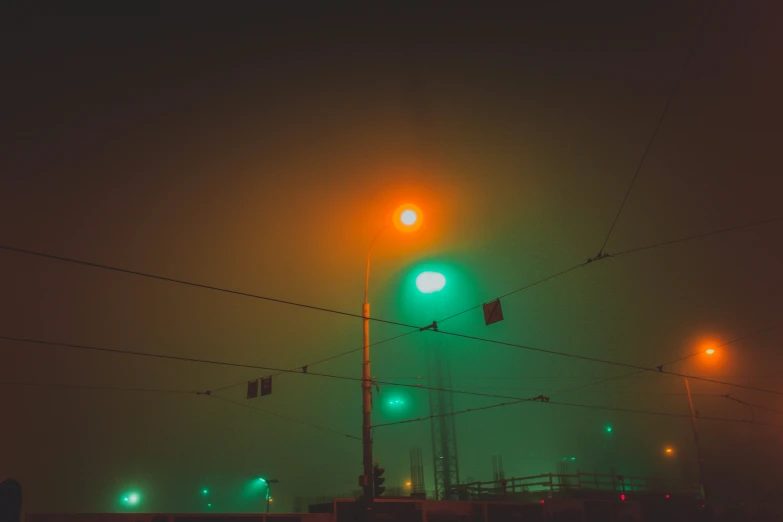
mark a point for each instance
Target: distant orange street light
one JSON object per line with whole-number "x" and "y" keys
{"x": 709, "y": 351}
{"x": 669, "y": 450}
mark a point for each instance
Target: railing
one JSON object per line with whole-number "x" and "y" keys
{"x": 554, "y": 483}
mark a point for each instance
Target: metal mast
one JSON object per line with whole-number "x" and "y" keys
{"x": 442, "y": 428}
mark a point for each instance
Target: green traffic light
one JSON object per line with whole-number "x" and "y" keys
{"x": 608, "y": 429}
{"x": 430, "y": 282}
{"x": 131, "y": 498}
{"x": 205, "y": 491}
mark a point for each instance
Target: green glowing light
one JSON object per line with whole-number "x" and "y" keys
{"x": 395, "y": 403}
{"x": 131, "y": 498}
{"x": 430, "y": 282}
{"x": 205, "y": 491}
{"x": 608, "y": 429}
{"x": 209, "y": 505}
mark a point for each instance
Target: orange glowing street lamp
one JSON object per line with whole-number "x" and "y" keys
{"x": 407, "y": 218}
{"x": 669, "y": 451}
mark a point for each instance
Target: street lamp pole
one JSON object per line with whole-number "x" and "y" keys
{"x": 699, "y": 458}
{"x": 407, "y": 218}
{"x": 366, "y": 381}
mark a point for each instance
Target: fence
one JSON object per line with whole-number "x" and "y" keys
{"x": 559, "y": 484}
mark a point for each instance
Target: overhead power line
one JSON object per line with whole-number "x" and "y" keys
{"x": 616, "y": 254}
{"x": 387, "y": 383}
{"x": 414, "y": 328}
{"x": 198, "y": 285}
{"x": 286, "y": 417}
{"x": 344, "y": 377}
{"x": 299, "y": 369}
{"x": 604, "y": 361}
{"x": 167, "y": 391}
{"x": 658, "y": 124}
{"x": 637, "y": 372}
{"x": 240, "y": 365}
{"x": 585, "y": 406}
{"x": 553, "y": 276}
{"x": 395, "y": 337}
{"x": 467, "y": 410}
{"x": 95, "y": 388}
{"x": 527, "y": 286}
{"x": 696, "y": 236}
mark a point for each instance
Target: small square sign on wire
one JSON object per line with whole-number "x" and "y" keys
{"x": 493, "y": 312}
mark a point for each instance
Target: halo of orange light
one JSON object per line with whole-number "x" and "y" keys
{"x": 400, "y": 221}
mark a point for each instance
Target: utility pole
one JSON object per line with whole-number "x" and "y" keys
{"x": 699, "y": 458}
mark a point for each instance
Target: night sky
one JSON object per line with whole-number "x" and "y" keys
{"x": 260, "y": 151}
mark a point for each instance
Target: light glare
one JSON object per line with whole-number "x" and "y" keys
{"x": 430, "y": 282}
{"x": 409, "y": 217}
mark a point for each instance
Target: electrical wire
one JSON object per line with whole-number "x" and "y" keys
{"x": 530, "y": 285}
{"x": 696, "y": 236}
{"x": 586, "y": 406}
{"x": 617, "y": 254}
{"x": 637, "y": 372}
{"x": 101, "y": 388}
{"x": 345, "y": 377}
{"x": 167, "y": 391}
{"x": 514, "y": 400}
{"x": 764, "y": 408}
{"x": 291, "y": 419}
{"x": 661, "y": 413}
{"x": 606, "y": 361}
{"x": 467, "y": 410}
{"x": 658, "y": 124}
{"x": 300, "y": 368}
{"x": 414, "y": 328}
{"x": 198, "y": 285}
{"x": 240, "y": 365}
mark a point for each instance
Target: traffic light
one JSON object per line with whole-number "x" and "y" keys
{"x": 130, "y": 499}
{"x": 378, "y": 480}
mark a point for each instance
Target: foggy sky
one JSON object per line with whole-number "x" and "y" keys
{"x": 261, "y": 151}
